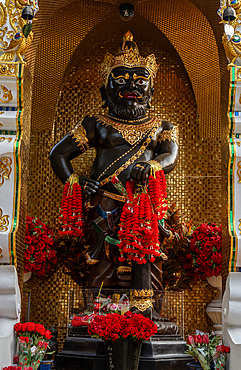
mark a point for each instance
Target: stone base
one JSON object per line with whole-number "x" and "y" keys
{"x": 86, "y": 353}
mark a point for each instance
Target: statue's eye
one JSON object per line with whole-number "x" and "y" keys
{"x": 120, "y": 81}
{"x": 140, "y": 82}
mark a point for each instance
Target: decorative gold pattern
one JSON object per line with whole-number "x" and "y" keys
{"x": 2, "y": 138}
{"x": 3, "y": 15}
{"x": 123, "y": 269}
{"x": 1, "y": 253}
{"x": 232, "y": 48}
{"x": 4, "y": 222}
{"x": 141, "y": 304}
{"x": 10, "y": 45}
{"x": 239, "y": 171}
{"x": 142, "y": 293}
{"x": 126, "y": 77}
{"x": 128, "y": 58}
{"x": 7, "y": 95}
{"x": 23, "y": 46}
{"x": 79, "y": 134}
{"x": 5, "y": 168}
{"x": 155, "y": 165}
{"x": 172, "y": 134}
{"x": 141, "y": 299}
{"x": 131, "y": 133}
{"x": 238, "y": 143}
{"x": 90, "y": 260}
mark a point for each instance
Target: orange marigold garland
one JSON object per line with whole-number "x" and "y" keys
{"x": 71, "y": 211}
{"x": 145, "y": 206}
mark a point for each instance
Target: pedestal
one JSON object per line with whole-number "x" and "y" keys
{"x": 214, "y": 308}
{"x": 232, "y": 319}
{"x": 86, "y": 353}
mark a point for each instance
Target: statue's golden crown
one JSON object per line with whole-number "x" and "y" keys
{"x": 128, "y": 56}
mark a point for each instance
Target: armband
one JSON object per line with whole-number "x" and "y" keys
{"x": 79, "y": 135}
{"x": 172, "y": 134}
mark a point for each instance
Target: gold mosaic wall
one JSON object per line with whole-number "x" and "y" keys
{"x": 195, "y": 184}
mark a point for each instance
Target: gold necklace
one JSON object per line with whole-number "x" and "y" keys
{"x": 126, "y": 120}
{"x": 131, "y": 133}
{"x": 133, "y": 158}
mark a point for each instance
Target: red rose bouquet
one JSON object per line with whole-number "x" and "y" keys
{"x": 219, "y": 356}
{"x": 129, "y": 326}
{"x": 206, "y": 350}
{"x": 33, "y": 342}
{"x": 40, "y": 255}
{"x": 204, "y": 258}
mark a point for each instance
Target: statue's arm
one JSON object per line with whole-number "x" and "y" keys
{"x": 71, "y": 146}
{"x": 62, "y": 154}
{"x": 166, "y": 151}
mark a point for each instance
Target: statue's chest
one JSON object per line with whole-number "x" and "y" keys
{"x": 112, "y": 137}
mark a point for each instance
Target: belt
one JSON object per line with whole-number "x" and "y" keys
{"x": 118, "y": 197}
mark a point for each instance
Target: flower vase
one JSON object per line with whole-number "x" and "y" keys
{"x": 214, "y": 308}
{"x": 27, "y": 276}
{"x": 197, "y": 366}
{"x": 123, "y": 354}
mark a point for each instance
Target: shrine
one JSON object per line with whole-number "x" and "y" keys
{"x": 120, "y": 172}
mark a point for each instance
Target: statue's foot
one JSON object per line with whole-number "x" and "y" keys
{"x": 165, "y": 327}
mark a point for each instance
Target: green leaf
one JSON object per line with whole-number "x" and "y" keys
{"x": 27, "y": 28}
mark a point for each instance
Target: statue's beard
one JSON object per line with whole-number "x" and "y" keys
{"x": 127, "y": 113}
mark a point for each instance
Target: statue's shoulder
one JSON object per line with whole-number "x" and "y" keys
{"x": 169, "y": 132}
{"x": 166, "y": 125}
{"x": 84, "y": 132}
{"x": 89, "y": 121}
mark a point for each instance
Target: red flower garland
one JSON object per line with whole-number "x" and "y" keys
{"x": 71, "y": 211}
{"x": 139, "y": 233}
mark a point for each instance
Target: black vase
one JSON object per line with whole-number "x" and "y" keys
{"x": 123, "y": 354}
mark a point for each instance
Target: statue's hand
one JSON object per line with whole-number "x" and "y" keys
{"x": 88, "y": 185}
{"x": 140, "y": 171}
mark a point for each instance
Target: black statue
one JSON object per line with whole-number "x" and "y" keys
{"x": 126, "y": 141}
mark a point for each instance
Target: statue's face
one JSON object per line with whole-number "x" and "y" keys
{"x": 129, "y": 92}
